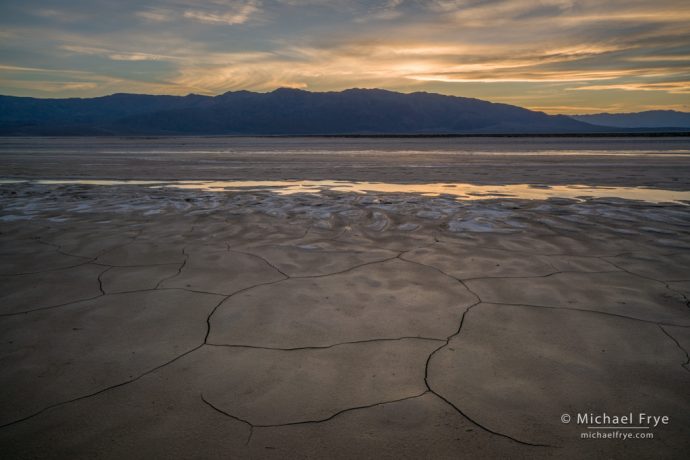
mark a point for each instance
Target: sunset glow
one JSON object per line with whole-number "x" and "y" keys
{"x": 558, "y": 56}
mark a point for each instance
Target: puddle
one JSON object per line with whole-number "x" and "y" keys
{"x": 458, "y": 191}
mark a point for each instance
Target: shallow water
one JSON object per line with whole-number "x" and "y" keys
{"x": 459, "y": 191}
{"x": 650, "y": 169}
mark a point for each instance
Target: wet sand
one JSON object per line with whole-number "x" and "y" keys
{"x": 150, "y": 322}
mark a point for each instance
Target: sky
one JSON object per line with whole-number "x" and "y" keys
{"x": 557, "y": 56}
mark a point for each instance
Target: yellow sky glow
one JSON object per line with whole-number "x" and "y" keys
{"x": 559, "y": 56}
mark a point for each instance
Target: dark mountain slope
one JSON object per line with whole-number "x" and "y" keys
{"x": 281, "y": 112}
{"x": 648, "y": 119}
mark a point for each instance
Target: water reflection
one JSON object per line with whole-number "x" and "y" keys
{"x": 458, "y": 191}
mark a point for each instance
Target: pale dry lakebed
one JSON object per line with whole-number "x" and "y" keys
{"x": 342, "y": 319}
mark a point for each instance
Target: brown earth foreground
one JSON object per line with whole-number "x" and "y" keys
{"x": 142, "y": 322}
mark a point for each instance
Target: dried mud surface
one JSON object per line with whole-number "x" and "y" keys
{"x": 149, "y": 323}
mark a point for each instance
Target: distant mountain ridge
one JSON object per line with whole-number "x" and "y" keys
{"x": 280, "y": 112}
{"x": 647, "y": 119}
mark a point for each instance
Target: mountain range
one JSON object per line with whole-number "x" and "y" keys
{"x": 648, "y": 119}
{"x": 288, "y": 112}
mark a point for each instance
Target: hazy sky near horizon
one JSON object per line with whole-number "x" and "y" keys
{"x": 559, "y": 56}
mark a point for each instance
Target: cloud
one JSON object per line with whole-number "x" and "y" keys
{"x": 50, "y": 85}
{"x": 116, "y": 55}
{"x": 385, "y": 12}
{"x": 525, "y": 52}
{"x": 676, "y": 87}
{"x": 237, "y": 14}
{"x": 684, "y": 58}
{"x": 223, "y": 13}
{"x": 57, "y": 15}
{"x": 157, "y": 15}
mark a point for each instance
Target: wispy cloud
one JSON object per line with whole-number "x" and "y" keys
{"x": 384, "y": 12}
{"x": 221, "y": 13}
{"x": 116, "y": 55}
{"x": 57, "y": 15}
{"x": 618, "y": 54}
{"x": 235, "y": 14}
{"x": 51, "y": 86}
{"x": 676, "y": 87}
{"x": 156, "y": 15}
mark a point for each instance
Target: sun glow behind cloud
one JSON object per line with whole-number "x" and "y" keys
{"x": 564, "y": 56}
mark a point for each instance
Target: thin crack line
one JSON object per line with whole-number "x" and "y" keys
{"x": 92, "y": 260}
{"x": 349, "y": 409}
{"x": 100, "y": 280}
{"x": 135, "y": 291}
{"x": 457, "y": 409}
{"x": 496, "y": 248}
{"x": 50, "y": 307}
{"x": 548, "y": 261}
{"x": 564, "y": 308}
{"x": 103, "y": 390}
{"x": 272, "y": 265}
{"x": 59, "y": 250}
{"x": 324, "y": 347}
{"x": 266, "y": 261}
{"x": 114, "y": 248}
{"x": 24, "y": 312}
{"x": 365, "y": 264}
{"x": 135, "y": 265}
{"x": 221, "y": 411}
{"x": 213, "y": 311}
{"x": 307, "y": 422}
{"x": 619, "y": 254}
{"x": 584, "y": 310}
{"x": 665, "y": 283}
{"x": 301, "y": 277}
{"x": 478, "y": 278}
{"x": 49, "y": 269}
{"x": 459, "y": 280}
{"x": 687, "y": 356}
{"x": 154, "y": 289}
{"x": 179, "y": 270}
{"x": 446, "y": 342}
{"x": 489, "y": 430}
{"x": 195, "y": 291}
{"x": 109, "y": 294}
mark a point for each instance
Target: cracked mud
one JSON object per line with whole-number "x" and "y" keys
{"x": 147, "y": 323}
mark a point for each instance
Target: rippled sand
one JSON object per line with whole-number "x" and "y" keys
{"x": 148, "y": 322}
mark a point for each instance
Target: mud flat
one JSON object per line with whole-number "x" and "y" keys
{"x": 160, "y": 321}
{"x": 659, "y": 162}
